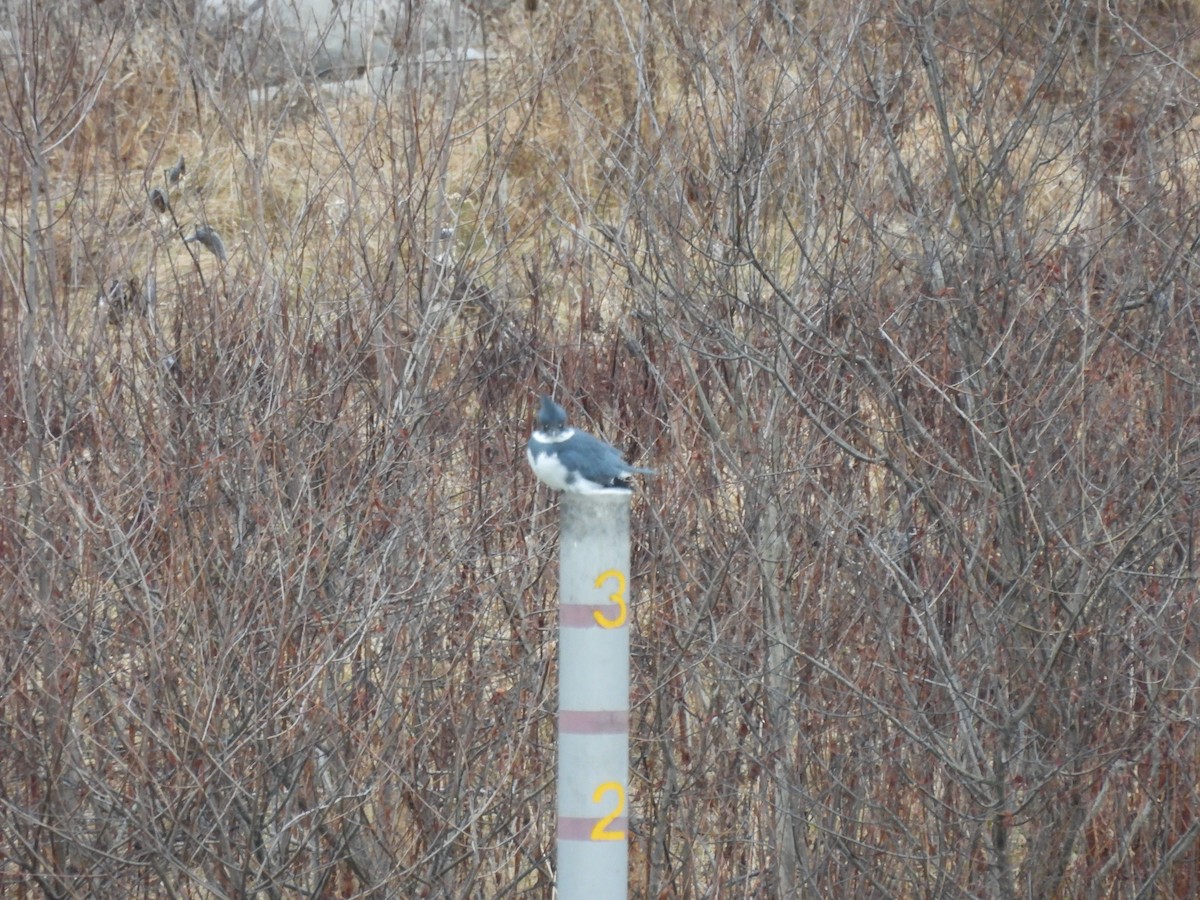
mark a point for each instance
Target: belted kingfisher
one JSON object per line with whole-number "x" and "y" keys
{"x": 568, "y": 459}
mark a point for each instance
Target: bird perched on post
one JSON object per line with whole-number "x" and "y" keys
{"x": 568, "y": 459}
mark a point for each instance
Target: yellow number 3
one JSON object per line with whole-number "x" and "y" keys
{"x": 600, "y": 832}
{"x": 617, "y": 597}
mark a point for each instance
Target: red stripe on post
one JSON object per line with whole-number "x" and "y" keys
{"x": 602, "y": 721}
{"x": 576, "y": 828}
{"x": 583, "y": 615}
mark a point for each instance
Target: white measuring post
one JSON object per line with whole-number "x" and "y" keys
{"x": 593, "y": 697}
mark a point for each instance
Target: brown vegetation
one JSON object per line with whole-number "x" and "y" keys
{"x": 898, "y": 299}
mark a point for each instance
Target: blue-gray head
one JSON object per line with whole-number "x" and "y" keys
{"x": 551, "y": 418}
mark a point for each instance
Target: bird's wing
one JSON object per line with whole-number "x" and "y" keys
{"x": 604, "y": 458}
{"x": 585, "y": 451}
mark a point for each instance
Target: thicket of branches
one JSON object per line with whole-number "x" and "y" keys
{"x": 900, "y": 299}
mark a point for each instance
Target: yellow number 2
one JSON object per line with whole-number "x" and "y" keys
{"x": 617, "y": 597}
{"x": 600, "y": 832}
